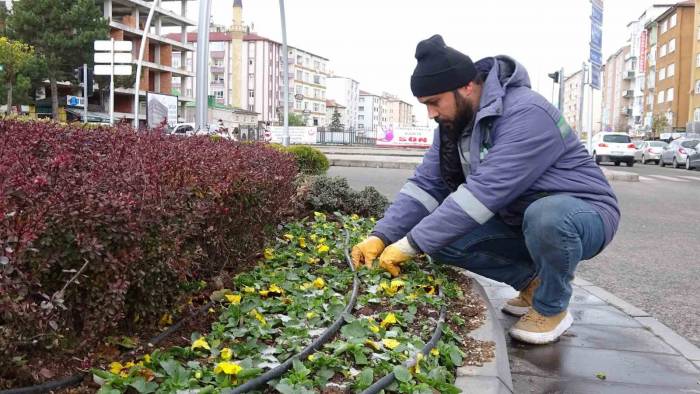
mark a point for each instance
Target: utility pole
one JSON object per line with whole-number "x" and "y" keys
{"x": 561, "y": 90}
{"x": 85, "y": 92}
{"x": 285, "y": 62}
{"x": 582, "y": 91}
{"x": 202, "y": 78}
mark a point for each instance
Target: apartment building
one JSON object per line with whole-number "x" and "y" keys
{"x": 370, "y": 111}
{"x": 572, "y": 99}
{"x": 673, "y": 61}
{"x": 346, "y": 92}
{"x": 127, "y": 19}
{"x": 308, "y": 78}
{"x": 617, "y": 94}
{"x": 398, "y": 113}
{"x": 694, "y": 99}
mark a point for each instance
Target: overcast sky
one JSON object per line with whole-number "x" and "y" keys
{"x": 374, "y": 41}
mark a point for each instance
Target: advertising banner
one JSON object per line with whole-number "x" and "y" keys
{"x": 405, "y": 136}
{"x": 297, "y": 134}
{"x": 161, "y": 107}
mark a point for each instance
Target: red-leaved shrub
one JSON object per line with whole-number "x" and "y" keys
{"x": 99, "y": 227}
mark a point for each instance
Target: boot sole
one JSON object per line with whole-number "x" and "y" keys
{"x": 513, "y": 310}
{"x": 541, "y": 338}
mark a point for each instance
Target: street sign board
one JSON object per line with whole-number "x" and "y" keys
{"x": 75, "y": 101}
{"x": 119, "y": 57}
{"x": 596, "y": 44}
{"x": 596, "y": 56}
{"x": 595, "y": 76}
{"x": 119, "y": 46}
{"x": 119, "y": 69}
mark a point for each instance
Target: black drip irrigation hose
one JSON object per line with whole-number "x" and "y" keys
{"x": 77, "y": 378}
{"x": 385, "y": 381}
{"x": 279, "y": 370}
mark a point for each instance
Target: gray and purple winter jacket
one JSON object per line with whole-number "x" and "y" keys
{"x": 520, "y": 149}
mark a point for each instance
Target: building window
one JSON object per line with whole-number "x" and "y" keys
{"x": 299, "y": 89}
{"x": 306, "y": 77}
{"x": 219, "y": 94}
{"x": 669, "y": 95}
{"x": 360, "y": 117}
{"x": 696, "y": 115}
{"x": 298, "y": 59}
{"x": 697, "y": 60}
{"x": 315, "y": 121}
{"x": 698, "y": 33}
{"x": 660, "y": 97}
{"x": 316, "y": 93}
{"x": 697, "y": 86}
{"x": 650, "y": 100}
{"x": 306, "y": 91}
{"x": 662, "y": 74}
{"x": 316, "y": 65}
{"x": 672, "y": 45}
{"x": 361, "y": 108}
{"x": 299, "y": 75}
{"x": 671, "y": 70}
{"x": 664, "y": 26}
{"x": 317, "y": 79}
{"x": 663, "y": 50}
{"x": 672, "y": 21}
{"x": 251, "y": 93}
{"x": 315, "y": 107}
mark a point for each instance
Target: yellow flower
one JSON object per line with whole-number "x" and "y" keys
{"x": 226, "y": 353}
{"x": 264, "y": 293}
{"x": 312, "y": 260}
{"x": 302, "y": 242}
{"x": 228, "y": 367}
{"x": 259, "y": 317}
{"x": 129, "y": 364}
{"x": 320, "y": 216}
{"x": 390, "y": 343}
{"x": 393, "y": 288}
{"x": 416, "y": 367}
{"x": 372, "y": 219}
{"x": 249, "y": 289}
{"x": 429, "y": 289}
{"x": 319, "y": 283}
{"x": 310, "y": 315}
{"x": 268, "y": 254}
{"x": 311, "y": 358}
{"x": 288, "y": 237}
{"x": 299, "y": 254}
{"x": 124, "y": 374}
{"x": 235, "y": 299}
{"x": 313, "y": 237}
{"x": 147, "y": 358}
{"x": 276, "y": 290}
{"x": 321, "y": 248}
{"x": 306, "y": 286}
{"x": 200, "y": 342}
{"x": 198, "y": 375}
{"x": 354, "y": 217}
{"x": 166, "y": 319}
{"x": 412, "y": 297}
{"x": 373, "y": 328}
{"x": 322, "y": 240}
{"x": 115, "y": 367}
{"x": 373, "y": 345}
{"x": 434, "y": 352}
{"x": 389, "y": 320}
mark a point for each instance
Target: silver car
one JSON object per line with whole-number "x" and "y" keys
{"x": 692, "y": 161}
{"x": 676, "y": 153}
{"x": 649, "y": 151}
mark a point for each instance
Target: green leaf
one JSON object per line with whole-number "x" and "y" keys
{"x": 365, "y": 378}
{"x": 142, "y": 386}
{"x": 402, "y": 374}
{"x": 360, "y": 358}
{"x": 108, "y": 390}
{"x": 455, "y": 356}
{"x": 354, "y": 330}
{"x": 285, "y": 387}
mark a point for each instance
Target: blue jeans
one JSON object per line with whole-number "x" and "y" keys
{"x": 557, "y": 233}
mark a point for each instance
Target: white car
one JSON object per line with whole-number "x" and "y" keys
{"x": 182, "y": 129}
{"x": 613, "y": 147}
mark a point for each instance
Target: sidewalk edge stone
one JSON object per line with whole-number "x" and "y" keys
{"x": 615, "y": 301}
{"x": 620, "y": 176}
{"x": 497, "y": 370}
{"x": 675, "y": 340}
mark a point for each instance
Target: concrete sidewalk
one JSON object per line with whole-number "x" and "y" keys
{"x": 613, "y": 347}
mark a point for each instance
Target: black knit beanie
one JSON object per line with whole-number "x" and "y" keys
{"x": 440, "y": 68}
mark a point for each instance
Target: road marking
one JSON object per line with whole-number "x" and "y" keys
{"x": 692, "y": 178}
{"x": 645, "y": 179}
{"x": 668, "y": 178}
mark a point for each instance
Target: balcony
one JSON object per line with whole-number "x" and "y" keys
{"x": 626, "y": 111}
{"x": 628, "y": 75}
{"x": 628, "y": 93}
{"x": 217, "y": 69}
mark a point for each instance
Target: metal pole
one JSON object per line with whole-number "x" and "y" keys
{"x": 561, "y": 90}
{"x": 579, "y": 121}
{"x": 85, "y": 92}
{"x": 202, "y": 77}
{"x": 142, "y": 50}
{"x": 285, "y": 62}
{"x": 111, "y": 84}
{"x": 589, "y": 140}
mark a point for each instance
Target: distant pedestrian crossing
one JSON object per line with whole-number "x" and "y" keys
{"x": 666, "y": 178}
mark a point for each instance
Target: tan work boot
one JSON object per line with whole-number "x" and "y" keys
{"x": 538, "y": 329}
{"x": 521, "y": 304}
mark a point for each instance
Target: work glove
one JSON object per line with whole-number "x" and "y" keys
{"x": 395, "y": 255}
{"x": 366, "y": 251}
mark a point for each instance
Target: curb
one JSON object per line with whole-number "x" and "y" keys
{"x": 344, "y": 162}
{"x": 670, "y": 337}
{"x": 623, "y": 176}
{"x": 494, "y": 376}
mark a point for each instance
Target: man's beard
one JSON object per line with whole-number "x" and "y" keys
{"x": 463, "y": 116}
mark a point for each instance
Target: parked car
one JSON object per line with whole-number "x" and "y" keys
{"x": 182, "y": 129}
{"x": 649, "y": 151}
{"x": 692, "y": 160}
{"x": 677, "y": 152}
{"x": 613, "y": 147}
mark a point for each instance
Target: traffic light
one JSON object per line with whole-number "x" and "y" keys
{"x": 554, "y": 76}
{"x": 78, "y": 74}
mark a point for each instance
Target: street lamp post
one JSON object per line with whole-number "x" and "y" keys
{"x": 285, "y": 62}
{"x": 202, "y": 77}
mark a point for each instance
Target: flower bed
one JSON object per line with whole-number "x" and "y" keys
{"x": 276, "y": 309}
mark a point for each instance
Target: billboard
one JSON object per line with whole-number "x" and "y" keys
{"x": 160, "y": 107}
{"x": 405, "y": 136}
{"x": 643, "y": 52}
{"x": 297, "y": 134}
